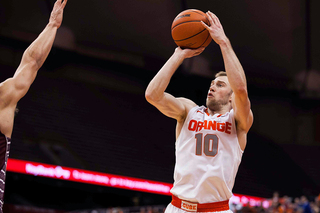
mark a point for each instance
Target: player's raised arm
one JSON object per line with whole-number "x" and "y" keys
{"x": 35, "y": 55}
{"x": 13, "y": 89}
{"x": 170, "y": 106}
{"x": 235, "y": 73}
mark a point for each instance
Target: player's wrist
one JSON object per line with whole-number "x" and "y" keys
{"x": 52, "y": 25}
{"x": 179, "y": 55}
{"x": 224, "y": 42}
{"x": 54, "y": 21}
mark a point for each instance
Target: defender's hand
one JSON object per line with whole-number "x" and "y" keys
{"x": 57, "y": 13}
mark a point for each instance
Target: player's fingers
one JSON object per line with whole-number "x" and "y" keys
{"x": 215, "y": 18}
{"x": 197, "y": 53}
{"x": 205, "y": 25}
{"x": 210, "y": 18}
{"x": 199, "y": 50}
{"x": 64, "y": 3}
{"x": 57, "y": 4}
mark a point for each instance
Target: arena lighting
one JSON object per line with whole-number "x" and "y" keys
{"x": 84, "y": 176}
{"x": 110, "y": 180}
{"x": 245, "y": 200}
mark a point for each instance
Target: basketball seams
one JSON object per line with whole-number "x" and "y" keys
{"x": 184, "y": 23}
{"x": 193, "y": 11}
{"x": 193, "y": 35}
{"x": 202, "y": 15}
{"x": 205, "y": 40}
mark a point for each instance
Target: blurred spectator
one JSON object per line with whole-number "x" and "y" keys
{"x": 142, "y": 210}
{"x": 316, "y": 205}
{"x": 296, "y": 204}
{"x": 275, "y": 197}
{"x": 305, "y": 205}
{"x": 283, "y": 204}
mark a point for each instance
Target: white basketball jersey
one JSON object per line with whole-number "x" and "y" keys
{"x": 208, "y": 155}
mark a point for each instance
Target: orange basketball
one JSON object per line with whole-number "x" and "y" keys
{"x": 187, "y": 30}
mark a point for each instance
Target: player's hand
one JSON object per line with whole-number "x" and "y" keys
{"x": 215, "y": 29}
{"x": 57, "y": 13}
{"x": 188, "y": 53}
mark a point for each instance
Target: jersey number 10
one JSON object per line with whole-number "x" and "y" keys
{"x": 209, "y": 144}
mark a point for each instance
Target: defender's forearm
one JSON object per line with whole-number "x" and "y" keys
{"x": 40, "y": 48}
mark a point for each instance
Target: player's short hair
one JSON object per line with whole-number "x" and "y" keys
{"x": 221, "y": 73}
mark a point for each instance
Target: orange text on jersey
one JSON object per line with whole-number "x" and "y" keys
{"x": 211, "y": 125}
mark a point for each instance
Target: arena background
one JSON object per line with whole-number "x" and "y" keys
{"x": 86, "y": 108}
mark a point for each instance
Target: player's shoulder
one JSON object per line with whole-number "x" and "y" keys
{"x": 5, "y": 86}
{"x": 7, "y": 82}
{"x": 186, "y": 101}
{"x": 189, "y": 104}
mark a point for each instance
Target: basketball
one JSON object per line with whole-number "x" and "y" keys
{"x": 187, "y": 30}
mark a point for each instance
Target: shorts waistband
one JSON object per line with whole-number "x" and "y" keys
{"x": 200, "y": 207}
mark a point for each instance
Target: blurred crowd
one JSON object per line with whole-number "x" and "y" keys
{"x": 276, "y": 204}
{"x": 283, "y": 204}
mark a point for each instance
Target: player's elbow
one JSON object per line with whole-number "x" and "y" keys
{"x": 149, "y": 96}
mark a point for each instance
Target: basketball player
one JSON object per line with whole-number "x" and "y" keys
{"x": 13, "y": 89}
{"x": 209, "y": 140}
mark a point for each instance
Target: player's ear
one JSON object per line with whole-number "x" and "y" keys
{"x": 231, "y": 100}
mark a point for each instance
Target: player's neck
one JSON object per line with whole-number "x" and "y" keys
{"x": 222, "y": 110}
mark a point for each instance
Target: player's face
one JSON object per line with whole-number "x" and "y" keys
{"x": 219, "y": 93}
